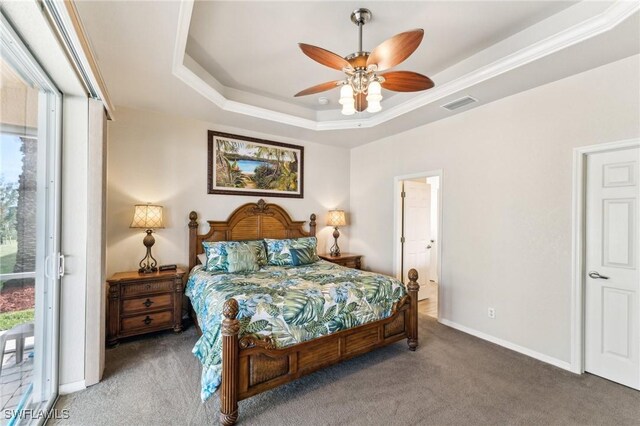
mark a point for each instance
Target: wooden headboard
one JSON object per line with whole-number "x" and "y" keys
{"x": 251, "y": 221}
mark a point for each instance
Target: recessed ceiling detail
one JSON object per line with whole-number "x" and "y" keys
{"x": 557, "y": 30}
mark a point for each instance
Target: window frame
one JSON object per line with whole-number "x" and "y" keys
{"x": 49, "y": 134}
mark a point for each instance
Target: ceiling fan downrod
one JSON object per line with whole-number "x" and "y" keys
{"x": 360, "y": 17}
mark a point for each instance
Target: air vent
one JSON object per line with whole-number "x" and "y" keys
{"x": 459, "y": 103}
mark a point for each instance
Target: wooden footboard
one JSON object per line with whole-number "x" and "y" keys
{"x": 253, "y": 365}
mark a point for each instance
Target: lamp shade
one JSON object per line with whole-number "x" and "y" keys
{"x": 147, "y": 216}
{"x": 336, "y": 218}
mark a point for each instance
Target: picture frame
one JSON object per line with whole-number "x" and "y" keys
{"x": 240, "y": 165}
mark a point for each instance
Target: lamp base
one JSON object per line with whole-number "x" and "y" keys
{"x": 148, "y": 264}
{"x": 147, "y": 270}
{"x": 335, "y": 249}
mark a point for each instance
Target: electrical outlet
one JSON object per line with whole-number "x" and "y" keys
{"x": 491, "y": 313}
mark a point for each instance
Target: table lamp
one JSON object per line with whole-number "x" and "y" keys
{"x": 147, "y": 216}
{"x": 336, "y": 219}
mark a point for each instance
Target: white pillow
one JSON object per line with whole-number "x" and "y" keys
{"x": 202, "y": 258}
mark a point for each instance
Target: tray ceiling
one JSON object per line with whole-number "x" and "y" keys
{"x": 147, "y": 56}
{"x": 257, "y": 50}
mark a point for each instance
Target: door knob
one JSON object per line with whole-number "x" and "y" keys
{"x": 595, "y": 275}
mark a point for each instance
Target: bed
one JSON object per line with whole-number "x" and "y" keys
{"x": 264, "y": 329}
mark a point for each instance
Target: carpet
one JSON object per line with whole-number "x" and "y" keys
{"x": 453, "y": 378}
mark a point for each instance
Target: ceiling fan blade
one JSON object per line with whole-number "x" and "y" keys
{"x": 361, "y": 102}
{"x": 395, "y": 50}
{"x": 319, "y": 88}
{"x": 406, "y": 81}
{"x": 324, "y": 57}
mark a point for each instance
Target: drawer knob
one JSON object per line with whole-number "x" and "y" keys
{"x": 147, "y": 320}
{"x": 148, "y": 303}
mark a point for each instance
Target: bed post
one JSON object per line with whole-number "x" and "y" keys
{"x": 412, "y": 289}
{"x": 230, "y": 367}
{"x": 193, "y": 237}
{"x": 312, "y": 224}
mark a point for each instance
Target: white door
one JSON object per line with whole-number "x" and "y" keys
{"x": 612, "y": 320}
{"x": 417, "y": 230}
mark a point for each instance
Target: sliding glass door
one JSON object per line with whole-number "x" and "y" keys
{"x": 30, "y": 264}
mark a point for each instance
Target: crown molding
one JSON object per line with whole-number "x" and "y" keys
{"x": 591, "y": 27}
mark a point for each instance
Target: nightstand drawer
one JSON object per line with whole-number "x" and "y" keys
{"x": 149, "y": 321}
{"x": 350, "y": 264}
{"x": 147, "y": 303}
{"x": 144, "y": 288}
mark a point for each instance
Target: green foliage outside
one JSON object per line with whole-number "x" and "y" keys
{"x": 8, "y": 210}
{"x": 7, "y": 258}
{"x": 9, "y": 320}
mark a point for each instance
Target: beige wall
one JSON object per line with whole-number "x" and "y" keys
{"x": 507, "y": 167}
{"x": 163, "y": 159}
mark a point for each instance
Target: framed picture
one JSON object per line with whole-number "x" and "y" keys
{"x": 239, "y": 165}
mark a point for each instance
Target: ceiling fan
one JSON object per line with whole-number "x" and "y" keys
{"x": 362, "y": 87}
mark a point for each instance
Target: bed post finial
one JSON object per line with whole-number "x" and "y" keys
{"x": 312, "y": 224}
{"x": 230, "y": 363}
{"x": 412, "y": 288}
{"x": 193, "y": 220}
{"x": 193, "y": 239}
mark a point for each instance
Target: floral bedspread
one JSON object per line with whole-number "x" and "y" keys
{"x": 291, "y": 304}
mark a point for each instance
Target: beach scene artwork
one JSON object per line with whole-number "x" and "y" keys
{"x": 251, "y": 166}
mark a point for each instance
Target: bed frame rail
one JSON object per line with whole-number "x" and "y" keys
{"x": 252, "y": 365}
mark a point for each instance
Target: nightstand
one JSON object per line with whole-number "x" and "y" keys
{"x": 348, "y": 260}
{"x": 143, "y": 303}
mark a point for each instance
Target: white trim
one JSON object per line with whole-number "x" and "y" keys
{"x": 17, "y": 275}
{"x": 72, "y": 387}
{"x": 72, "y": 36}
{"x": 396, "y": 232}
{"x": 587, "y": 29}
{"x": 506, "y": 344}
{"x": 578, "y": 244}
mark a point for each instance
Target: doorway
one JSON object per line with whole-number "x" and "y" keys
{"x": 607, "y": 262}
{"x": 417, "y": 234}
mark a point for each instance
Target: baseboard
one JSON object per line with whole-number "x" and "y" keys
{"x": 68, "y": 388}
{"x": 504, "y": 343}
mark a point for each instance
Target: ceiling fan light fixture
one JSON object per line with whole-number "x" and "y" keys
{"x": 346, "y": 100}
{"x": 374, "y": 92}
{"x": 346, "y": 94}
{"x": 348, "y": 109}
{"x": 374, "y": 106}
{"x": 374, "y": 96}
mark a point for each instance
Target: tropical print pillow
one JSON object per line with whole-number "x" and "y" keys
{"x": 279, "y": 251}
{"x": 303, "y": 256}
{"x": 242, "y": 258}
{"x": 217, "y": 253}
